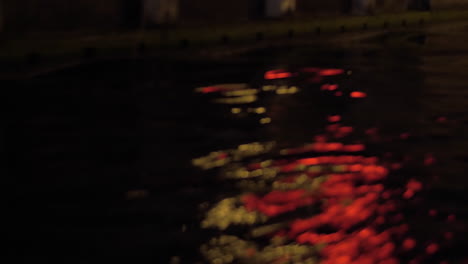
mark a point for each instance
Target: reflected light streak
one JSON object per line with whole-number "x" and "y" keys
{"x": 211, "y": 89}
{"x": 237, "y": 100}
{"x": 331, "y": 72}
{"x": 356, "y": 219}
{"x": 223, "y": 88}
{"x": 277, "y": 74}
{"x": 316, "y": 79}
{"x": 243, "y": 92}
{"x": 329, "y": 87}
{"x": 432, "y": 248}
{"x": 265, "y": 120}
{"x": 334, "y": 119}
{"x": 286, "y": 90}
{"x": 357, "y": 94}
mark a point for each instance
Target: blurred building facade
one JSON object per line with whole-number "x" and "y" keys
{"x": 279, "y": 8}
{"x": 161, "y": 11}
{"x": 369, "y": 7}
{"x": 194, "y": 11}
{"x": 32, "y": 15}
{"x": 323, "y": 8}
{"x": 447, "y": 4}
{"x": 1, "y": 16}
{"x": 26, "y": 15}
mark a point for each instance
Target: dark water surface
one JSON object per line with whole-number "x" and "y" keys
{"x": 99, "y": 156}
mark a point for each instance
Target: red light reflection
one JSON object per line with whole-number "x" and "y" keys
{"x": 334, "y": 118}
{"x": 357, "y": 219}
{"x": 329, "y": 87}
{"x": 211, "y": 89}
{"x": 432, "y": 248}
{"x": 316, "y": 79}
{"x": 409, "y": 244}
{"x": 277, "y": 74}
{"x": 357, "y": 94}
{"x": 331, "y": 72}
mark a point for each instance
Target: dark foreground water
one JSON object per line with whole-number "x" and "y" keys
{"x": 100, "y": 158}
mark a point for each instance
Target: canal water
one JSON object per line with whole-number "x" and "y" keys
{"x": 353, "y": 152}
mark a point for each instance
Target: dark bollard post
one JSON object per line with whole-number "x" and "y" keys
{"x": 259, "y": 36}
{"x": 89, "y": 52}
{"x": 403, "y": 23}
{"x": 224, "y": 39}
{"x": 164, "y": 34}
{"x": 290, "y": 33}
{"x": 385, "y": 24}
{"x": 33, "y": 58}
{"x": 141, "y": 49}
{"x": 364, "y": 26}
{"x": 421, "y": 21}
{"x": 184, "y": 43}
{"x": 343, "y": 29}
{"x": 318, "y": 30}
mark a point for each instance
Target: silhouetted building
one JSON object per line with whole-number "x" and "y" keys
{"x": 323, "y": 8}
{"x": 27, "y": 15}
{"x": 370, "y": 7}
{"x": 419, "y": 5}
{"x": 279, "y": 8}
{"x": 160, "y": 11}
{"x": 37, "y": 15}
{"x": 1, "y": 16}
{"x": 391, "y": 6}
{"x": 448, "y": 4}
{"x": 363, "y": 7}
{"x": 214, "y": 10}
{"x": 257, "y": 9}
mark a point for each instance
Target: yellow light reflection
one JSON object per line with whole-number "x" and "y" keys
{"x": 259, "y": 110}
{"x": 287, "y": 90}
{"x": 222, "y": 158}
{"x": 265, "y": 120}
{"x": 241, "y": 92}
{"x": 267, "y": 88}
{"x": 237, "y": 100}
{"x": 227, "y": 212}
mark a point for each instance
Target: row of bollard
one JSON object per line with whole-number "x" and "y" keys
{"x": 34, "y": 58}
{"x": 259, "y": 36}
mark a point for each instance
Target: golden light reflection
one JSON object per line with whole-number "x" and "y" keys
{"x": 265, "y": 120}
{"x": 236, "y": 110}
{"x": 287, "y": 90}
{"x": 260, "y": 110}
{"x": 232, "y": 249}
{"x": 237, "y": 100}
{"x": 228, "y": 212}
{"x": 267, "y": 88}
{"x": 222, "y": 158}
{"x": 245, "y": 92}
